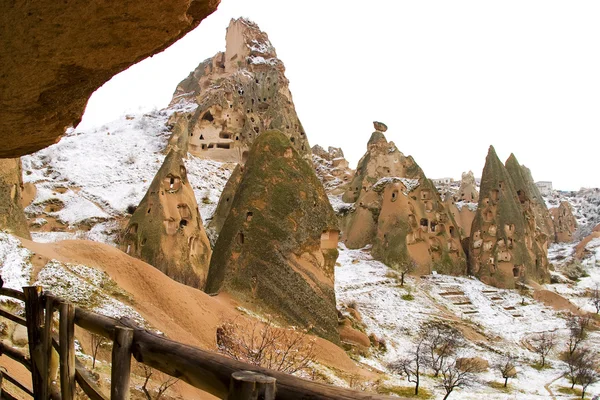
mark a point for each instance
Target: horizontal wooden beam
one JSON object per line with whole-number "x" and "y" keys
{"x": 17, "y": 355}
{"x": 15, "y": 294}
{"x": 17, "y": 383}
{"x": 12, "y": 317}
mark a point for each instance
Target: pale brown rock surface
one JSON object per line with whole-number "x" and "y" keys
{"x": 54, "y": 55}
{"x": 240, "y": 93}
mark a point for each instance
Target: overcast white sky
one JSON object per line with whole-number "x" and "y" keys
{"x": 449, "y": 78}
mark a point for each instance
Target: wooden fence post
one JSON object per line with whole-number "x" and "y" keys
{"x": 66, "y": 333}
{"x": 248, "y": 385}
{"x": 121, "y": 363}
{"x": 34, "y": 317}
{"x": 47, "y": 344}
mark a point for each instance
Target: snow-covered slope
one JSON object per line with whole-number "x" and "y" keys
{"x": 495, "y": 322}
{"x": 86, "y": 182}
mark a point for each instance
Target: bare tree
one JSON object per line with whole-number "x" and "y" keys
{"x": 578, "y": 327}
{"x": 166, "y": 381}
{"x": 265, "y": 345}
{"x": 411, "y": 365}
{"x": 595, "y": 300}
{"x": 542, "y": 344}
{"x": 588, "y": 371}
{"x": 573, "y": 362}
{"x": 440, "y": 341}
{"x": 458, "y": 375}
{"x": 507, "y": 368}
{"x": 406, "y": 268}
{"x": 96, "y": 341}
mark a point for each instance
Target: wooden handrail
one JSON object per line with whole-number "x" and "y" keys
{"x": 15, "y": 354}
{"x": 17, "y": 384}
{"x": 206, "y": 370}
{"x": 15, "y": 294}
{"x": 13, "y": 317}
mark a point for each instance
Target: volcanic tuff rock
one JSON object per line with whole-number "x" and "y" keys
{"x": 12, "y": 216}
{"x": 224, "y": 206}
{"x": 532, "y": 202}
{"x": 400, "y": 212}
{"x": 278, "y": 246}
{"x": 166, "y": 229}
{"x": 565, "y": 223}
{"x": 468, "y": 188}
{"x": 503, "y": 248}
{"x": 331, "y": 168}
{"x": 54, "y": 55}
{"x": 240, "y": 93}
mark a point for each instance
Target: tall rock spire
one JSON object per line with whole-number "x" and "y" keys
{"x": 166, "y": 229}
{"x": 278, "y": 246}
{"x": 503, "y": 249}
{"x": 239, "y": 93}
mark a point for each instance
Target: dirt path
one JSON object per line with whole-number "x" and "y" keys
{"x": 547, "y": 386}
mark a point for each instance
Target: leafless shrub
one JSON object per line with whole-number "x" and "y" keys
{"x": 404, "y": 268}
{"x": 588, "y": 370}
{"x": 595, "y": 300}
{"x": 265, "y": 345}
{"x": 440, "y": 342}
{"x": 542, "y": 344}
{"x": 458, "y": 375}
{"x": 578, "y": 327}
{"x": 412, "y": 365}
{"x": 97, "y": 341}
{"x": 166, "y": 381}
{"x": 507, "y": 368}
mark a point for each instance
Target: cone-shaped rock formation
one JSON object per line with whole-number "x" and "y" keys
{"x": 12, "y": 216}
{"x": 399, "y": 211}
{"x": 278, "y": 246}
{"x": 166, "y": 228}
{"x": 503, "y": 248}
{"x": 240, "y": 93}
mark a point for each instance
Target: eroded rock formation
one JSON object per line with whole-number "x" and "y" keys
{"x": 503, "y": 248}
{"x": 224, "y": 206}
{"x": 166, "y": 228}
{"x": 565, "y": 223}
{"x": 12, "y": 216}
{"x": 278, "y": 246}
{"x": 468, "y": 188}
{"x": 400, "y": 212}
{"x": 54, "y": 55}
{"x": 240, "y": 93}
{"x": 332, "y": 168}
{"x": 532, "y": 203}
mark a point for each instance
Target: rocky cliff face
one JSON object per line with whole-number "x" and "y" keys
{"x": 532, "y": 202}
{"x": 332, "y": 168}
{"x": 278, "y": 246}
{"x": 503, "y": 248}
{"x": 57, "y": 54}
{"x": 240, "y": 93}
{"x": 565, "y": 223}
{"x": 166, "y": 228}
{"x": 12, "y": 216}
{"x": 399, "y": 211}
{"x": 224, "y": 206}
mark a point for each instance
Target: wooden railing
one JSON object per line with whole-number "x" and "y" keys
{"x": 211, "y": 372}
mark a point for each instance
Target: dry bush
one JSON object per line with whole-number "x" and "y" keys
{"x": 263, "y": 344}
{"x": 542, "y": 344}
{"x": 164, "y": 383}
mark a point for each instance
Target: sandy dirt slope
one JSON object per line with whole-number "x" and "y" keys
{"x": 184, "y": 314}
